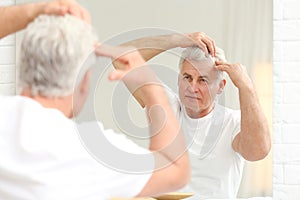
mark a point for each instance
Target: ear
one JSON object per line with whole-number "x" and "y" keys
{"x": 221, "y": 86}
{"x": 84, "y": 85}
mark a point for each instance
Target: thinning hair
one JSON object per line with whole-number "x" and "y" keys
{"x": 52, "y": 54}
{"x": 197, "y": 54}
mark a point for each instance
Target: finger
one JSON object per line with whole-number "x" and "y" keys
{"x": 203, "y": 46}
{"x": 106, "y": 51}
{"x": 62, "y": 10}
{"x": 55, "y": 9}
{"x": 220, "y": 62}
{"x": 116, "y": 75}
{"x": 213, "y": 44}
{"x": 75, "y": 11}
{"x": 209, "y": 45}
{"x": 86, "y": 16}
{"x": 222, "y": 67}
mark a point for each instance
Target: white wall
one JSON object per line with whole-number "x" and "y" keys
{"x": 7, "y": 60}
{"x": 286, "y": 175}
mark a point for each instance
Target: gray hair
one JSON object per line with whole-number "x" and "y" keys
{"x": 52, "y": 54}
{"x": 197, "y": 54}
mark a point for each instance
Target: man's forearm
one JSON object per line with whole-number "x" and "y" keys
{"x": 172, "y": 170}
{"x": 166, "y": 136}
{"x": 15, "y": 18}
{"x": 143, "y": 83}
{"x": 150, "y": 47}
{"x": 255, "y": 139}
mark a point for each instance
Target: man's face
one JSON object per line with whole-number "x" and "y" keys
{"x": 198, "y": 85}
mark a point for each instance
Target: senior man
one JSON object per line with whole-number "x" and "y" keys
{"x": 219, "y": 139}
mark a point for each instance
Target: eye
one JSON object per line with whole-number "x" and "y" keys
{"x": 203, "y": 80}
{"x": 187, "y": 77}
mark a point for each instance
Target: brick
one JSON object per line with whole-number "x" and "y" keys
{"x": 290, "y": 51}
{"x": 278, "y": 173}
{"x": 286, "y": 192}
{"x": 7, "y": 74}
{"x": 291, "y": 9}
{"x": 8, "y": 40}
{"x": 277, "y": 51}
{"x": 7, "y": 55}
{"x": 291, "y": 93}
{"x": 277, "y": 117}
{"x": 290, "y": 113}
{"x": 289, "y": 174}
{"x": 286, "y": 153}
{"x": 7, "y": 2}
{"x": 8, "y": 89}
{"x": 277, "y": 71}
{"x": 289, "y": 72}
{"x": 277, "y": 155}
{"x": 277, "y": 9}
{"x": 278, "y": 192}
{"x": 290, "y": 133}
{"x": 277, "y": 134}
{"x": 286, "y": 30}
{"x": 277, "y": 92}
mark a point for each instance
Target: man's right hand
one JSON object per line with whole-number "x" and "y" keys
{"x": 62, "y": 7}
{"x": 199, "y": 39}
{"x": 127, "y": 58}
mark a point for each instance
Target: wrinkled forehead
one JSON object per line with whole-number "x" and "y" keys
{"x": 201, "y": 68}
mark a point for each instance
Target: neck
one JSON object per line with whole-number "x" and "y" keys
{"x": 64, "y": 104}
{"x": 195, "y": 114}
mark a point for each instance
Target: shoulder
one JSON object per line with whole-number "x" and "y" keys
{"x": 95, "y": 131}
{"x": 228, "y": 113}
{"x": 231, "y": 120}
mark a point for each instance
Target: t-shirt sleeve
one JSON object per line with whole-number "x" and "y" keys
{"x": 236, "y": 117}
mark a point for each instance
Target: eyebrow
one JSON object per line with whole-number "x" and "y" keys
{"x": 185, "y": 73}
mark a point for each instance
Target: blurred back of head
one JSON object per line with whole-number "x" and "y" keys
{"x": 52, "y": 54}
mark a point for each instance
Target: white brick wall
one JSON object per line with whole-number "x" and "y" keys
{"x": 7, "y": 60}
{"x": 286, "y": 168}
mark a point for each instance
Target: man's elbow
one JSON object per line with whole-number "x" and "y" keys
{"x": 181, "y": 179}
{"x": 259, "y": 153}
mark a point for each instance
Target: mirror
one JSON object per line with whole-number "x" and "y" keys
{"x": 242, "y": 28}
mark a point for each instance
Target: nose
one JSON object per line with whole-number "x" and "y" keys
{"x": 193, "y": 86}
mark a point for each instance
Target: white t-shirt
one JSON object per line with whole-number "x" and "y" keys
{"x": 216, "y": 167}
{"x": 42, "y": 157}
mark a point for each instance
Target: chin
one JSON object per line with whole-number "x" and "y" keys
{"x": 192, "y": 106}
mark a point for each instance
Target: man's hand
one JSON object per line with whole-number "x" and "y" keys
{"x": 127, "y": 58}
{"x": 237, "y": 73}
{"x": 62, "y": 7}
{"x": 15, "y": 18}
{"x": 199, "y": 39}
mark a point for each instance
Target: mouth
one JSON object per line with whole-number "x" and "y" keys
{"x": 192, "y": 97}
